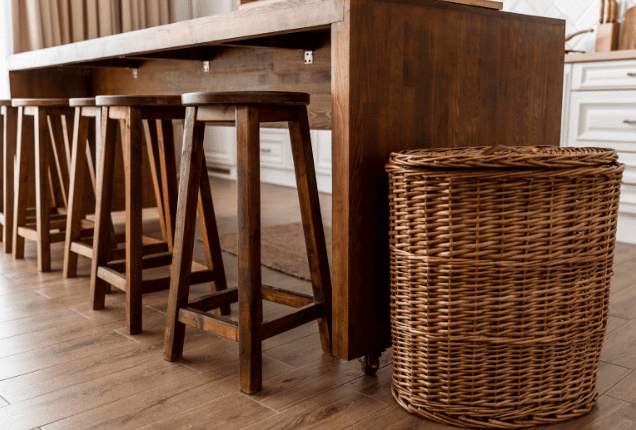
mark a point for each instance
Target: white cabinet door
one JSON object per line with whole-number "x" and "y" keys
{"x": 603, "y": 118}
{"x": 607, "y": 119}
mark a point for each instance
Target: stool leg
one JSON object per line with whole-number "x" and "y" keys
{"x": 76, "y": 191}
{"x": 210, "y": 235}
{"x": 152, "y": 145}
{"x": 249, "y": 249}
{"x": 24, "y": 145}
{"x": 191, "y": 162}
{"x": 59, "y": 160}
{"x": 103, "y": 197}
{"x": 42, "y": 202}
{"x": 9, "y": 147}
{"x": 168, "y": 166}
{"x": 132, "y": 152}
{"x": 91, "y": 150}
{"x": 312, "y": 221}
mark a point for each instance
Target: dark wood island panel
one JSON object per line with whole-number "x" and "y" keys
{"x": 421, "y": 74}
{"x": 387, "y": 75}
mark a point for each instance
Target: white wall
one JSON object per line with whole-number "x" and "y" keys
{"x": 579, "y": 15}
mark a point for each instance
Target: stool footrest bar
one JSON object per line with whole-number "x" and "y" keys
{"x": 32, "y": 234}
{"x": 147, "y": 261}
{"x": 216, "y": 324}
{"x": 163, "y": 283}
{"x": 296, "y": 319}
{"x": 112, "y": 277}
{"x": 285, "y": 297}
{"x": 215, "y": 300}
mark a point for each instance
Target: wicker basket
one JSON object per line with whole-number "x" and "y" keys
{"x": 500, "y": 272}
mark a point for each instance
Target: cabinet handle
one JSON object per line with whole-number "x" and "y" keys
{"x": 266, "y": 151}
{"x": 630, "y": 122}
{"x": 631, "y": 74}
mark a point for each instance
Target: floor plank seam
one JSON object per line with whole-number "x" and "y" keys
{"x": 120, "y": 330}
{"x": 618, "y": 398}
{"x": 80, "y": 314}
{"x": 280, "y": 361}
{"x": 95, "y": 331}
{"x": 155, "y": 309}
{"x": 260, "y": 403}
{"x": 202, "y": 382}
{"x": 2, "y": 398}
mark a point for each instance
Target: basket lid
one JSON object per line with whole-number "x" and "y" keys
{"x": 504, "y": 157}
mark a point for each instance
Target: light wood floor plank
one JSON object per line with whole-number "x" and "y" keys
{"x": 339, "y": 408}
{"x": 232, "y": 412}
{"x": 65, "y": 366}
{"x": 27, "y": 362}
{"x": 620, "y": 346}
{"x": 150, "y": 406}
{"x": 82, "y": 397}
{"x": 294, "y": 387}
{"x": 625, "y": 389}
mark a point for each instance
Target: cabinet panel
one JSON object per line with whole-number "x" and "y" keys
{"x": 602, "y": 116}
{"x": 604, "y": 75}
{"x": 274, "y": 148}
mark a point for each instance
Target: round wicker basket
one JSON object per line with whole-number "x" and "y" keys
{"x": 501, "y": 261}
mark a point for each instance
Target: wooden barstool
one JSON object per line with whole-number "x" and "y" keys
{"x": 87, "y": 119}
{"x": 8, "y": 133}
{"x": 51, "y": 175}
{"x": 86, "y": 138}
{"x": 248, "y": 110}
{"x": 140, "y": 252}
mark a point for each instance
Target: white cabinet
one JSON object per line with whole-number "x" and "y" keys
{"x": 600, "y": 110}
{"x": 277, "y": 164}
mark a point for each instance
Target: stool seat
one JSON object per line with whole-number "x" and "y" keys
{"x": 5, "y": 102}
{"x": 138, "y": 101}
{"x": 39, "y": 102}
{"x": 264, "y": 98}
{"x": 82, "y": 102}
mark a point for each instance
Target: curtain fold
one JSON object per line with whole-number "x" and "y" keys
{"x": 44, "y": 23}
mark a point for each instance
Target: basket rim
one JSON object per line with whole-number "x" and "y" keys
{"x": 500, "y": 156}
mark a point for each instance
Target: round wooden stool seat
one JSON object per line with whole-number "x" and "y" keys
{"x": 82, "y": 102}
{"x": 39, "y": 102}
{"x": 5, "y": 102}
{"x": 138, "y": 100}
{"x": 266, "y": 98}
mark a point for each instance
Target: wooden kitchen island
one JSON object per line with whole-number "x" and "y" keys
{"x": 386, "y": 75}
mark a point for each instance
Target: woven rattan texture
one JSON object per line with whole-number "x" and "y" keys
{"x": 506, "y": 156}
{"x": 500, "y": 289}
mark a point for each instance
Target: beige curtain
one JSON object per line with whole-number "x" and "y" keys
{"x": 43, "y": 23}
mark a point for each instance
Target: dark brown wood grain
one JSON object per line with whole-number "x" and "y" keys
{"x": 387, "y": 75}
{"x": 76, "y": 191}
{"x": 210, "y": 234}
{"x": 9, "y": 133}
{"x": 104, "y": 191}
{"x": 168, "y": 169}
{"x": 312, "y": 222}
{"x": 249, "y": 245}
{"x": 50, "y": 176}
{"x": 424, "y": 74}
{"x": 191, "y": 162}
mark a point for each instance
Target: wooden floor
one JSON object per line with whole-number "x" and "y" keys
{"x": 63, "y": 366}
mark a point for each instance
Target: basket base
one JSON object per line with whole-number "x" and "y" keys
{"x": 576, "y": 410}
